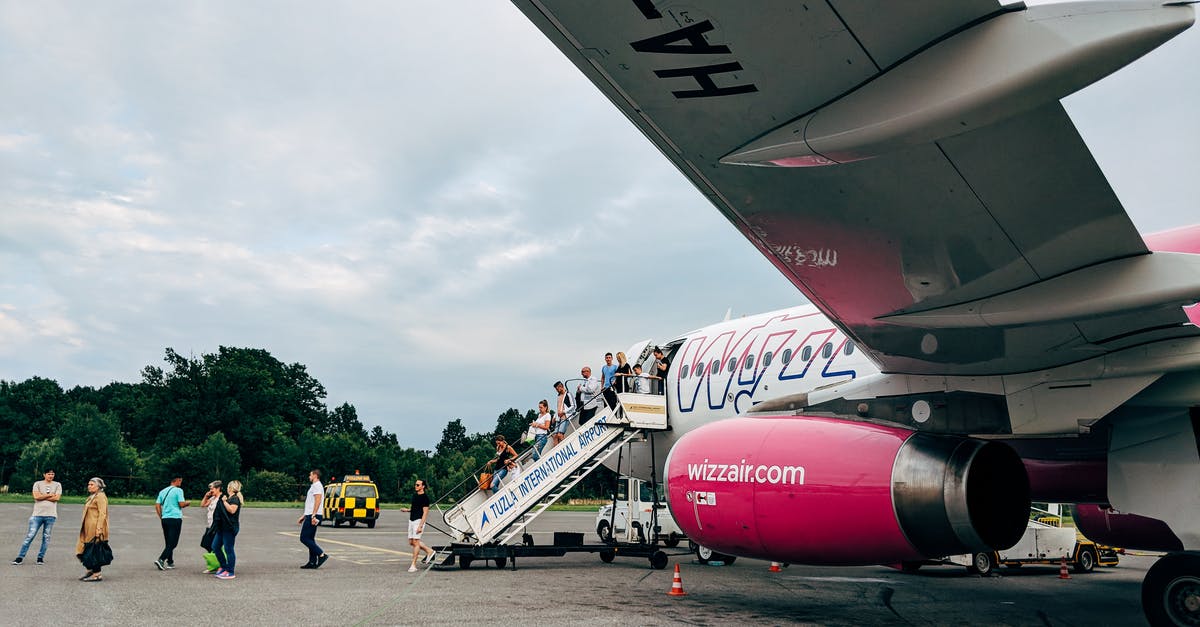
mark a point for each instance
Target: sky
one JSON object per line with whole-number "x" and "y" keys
{"x": 425, "y": 204}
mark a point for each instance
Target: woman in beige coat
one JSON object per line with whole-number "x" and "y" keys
{"x": 95, "y": 523}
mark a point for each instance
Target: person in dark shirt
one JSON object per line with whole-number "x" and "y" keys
{"x": 226, "y": 518}
{"x": 661, "y": 365}
{"x": 416, "y": 525}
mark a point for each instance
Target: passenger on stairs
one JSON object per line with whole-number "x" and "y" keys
{"x": 608, "y": 370}
{"x": 641, "y": 382}
{"x": 659, "y": 369}
{"x": 586, "y": 391}
{"x": 504, "y": 454}
{"x": 562, "y": 413}
{"x": 540, "y": 427}
{"x": 622, "y": 381}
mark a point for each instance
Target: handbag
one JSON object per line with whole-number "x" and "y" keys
{"x": 96, "y": 554}
{"x": 530, "y": 436}
{"x": 210, "y": 534}
{"x": 485, "y": 480}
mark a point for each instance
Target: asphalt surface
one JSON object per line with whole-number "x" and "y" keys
{"x": 366, "y": 580}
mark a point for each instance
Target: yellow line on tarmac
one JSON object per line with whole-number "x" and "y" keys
{"x": 357, "y": 546}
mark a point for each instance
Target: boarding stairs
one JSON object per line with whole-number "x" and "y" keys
{"x": 486, "y": 517}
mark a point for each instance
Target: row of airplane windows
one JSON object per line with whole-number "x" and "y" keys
{"x": 805, "y": 354}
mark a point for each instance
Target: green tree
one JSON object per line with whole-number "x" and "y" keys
{"x": 251, "y": 397}
{"x": 268, "y": 485}
{"x": 37, "y": 457}
{"x": 344, "y": 419}
{"x": 512, "y": 424}
{"x": 92, "y": 445}
{"x": 379, "y": 438}
{"x": 454, "y": 439}
{"x": 214, "y": 458}
{"x": 27, "y": 413}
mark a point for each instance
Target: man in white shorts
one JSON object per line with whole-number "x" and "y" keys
{"x": 416, "y": 525}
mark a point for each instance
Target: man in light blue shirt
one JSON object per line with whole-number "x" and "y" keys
{"x": 608, "y": 371}
{"x": 169, "y": 505}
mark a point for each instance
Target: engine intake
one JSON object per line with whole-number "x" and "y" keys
{"x": 824, "y": 491}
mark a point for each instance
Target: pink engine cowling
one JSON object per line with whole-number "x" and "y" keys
{"x": 817, "y": 490}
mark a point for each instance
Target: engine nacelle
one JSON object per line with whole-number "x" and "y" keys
{"x": 816, "y": 490}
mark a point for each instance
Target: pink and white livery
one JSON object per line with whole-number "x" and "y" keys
{"x": 987, "y": 325}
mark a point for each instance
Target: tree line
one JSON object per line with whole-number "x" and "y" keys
{"x": 237, "y": 413}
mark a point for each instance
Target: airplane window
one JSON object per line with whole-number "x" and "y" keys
{"x": 732, "y": 363}
{"x": 715, "y": 368}
{"x": 698, "y": 371}
{"x": 787, "y": 356}
{"x": 806, "y": 354}
{"x": 827, "y": 350}
{"x": 683, "y": 375}
{"x": 849, "y": 347}
{"x": 767, "y": 359}
{"x": 749, "y": 361}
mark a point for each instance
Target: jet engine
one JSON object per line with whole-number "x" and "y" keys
{"x": 817, "y": 490}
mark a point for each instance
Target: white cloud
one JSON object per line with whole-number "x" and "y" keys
{"x": 433, "y": 219}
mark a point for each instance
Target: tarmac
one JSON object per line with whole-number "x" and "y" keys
{"x": 366, "y": 582}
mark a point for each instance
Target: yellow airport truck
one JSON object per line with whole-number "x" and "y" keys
{"x": 352, "y": 500}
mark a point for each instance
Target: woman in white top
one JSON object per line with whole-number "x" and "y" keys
{"x": 540, "y": 428}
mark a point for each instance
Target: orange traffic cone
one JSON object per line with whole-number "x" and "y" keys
{"x": 1062, "y": 570}
{"x": 677, "y": 585}
{"x": 774, "y": 568}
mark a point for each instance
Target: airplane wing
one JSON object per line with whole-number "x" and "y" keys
{"x": 948, "y": 221}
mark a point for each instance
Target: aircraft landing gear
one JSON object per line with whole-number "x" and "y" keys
{"x": 1171, "y": 590}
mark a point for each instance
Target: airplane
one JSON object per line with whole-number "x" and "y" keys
{"x": 987, "y": 327}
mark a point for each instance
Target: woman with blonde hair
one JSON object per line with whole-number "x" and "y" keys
{"x": 94, "y": 525}
{"x": 226, "y": 520}
{"x": 624, "y": 371}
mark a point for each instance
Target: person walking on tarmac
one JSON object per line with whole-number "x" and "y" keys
{"x": 169, "y": 507}
{"x": 417, "y": 512}
{"x": 311, "y": 519}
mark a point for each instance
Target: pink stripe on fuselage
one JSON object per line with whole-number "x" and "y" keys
{"x": 1182, "y": 240}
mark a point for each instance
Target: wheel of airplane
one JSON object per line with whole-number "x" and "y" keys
{"x": 604, "y": 530}
{"x": 1171, "y": 590}
{"x": 704, "y": 555}
{"x": 982, "y": 564}
{"x": 1086, "y": 561}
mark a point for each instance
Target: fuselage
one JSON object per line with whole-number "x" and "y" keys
{"x": 725, "y": 369}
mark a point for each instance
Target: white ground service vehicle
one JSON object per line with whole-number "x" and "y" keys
{"x": 634, "y": 495}
{"x": 1044, "y": 542}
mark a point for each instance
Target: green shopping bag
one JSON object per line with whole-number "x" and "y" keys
{"x": 210, "y": 559}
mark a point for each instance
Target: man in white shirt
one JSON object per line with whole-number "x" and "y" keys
{"x": 587, "y": 390}
{"x": 311, "y": 519}
{"x": 45, "y": 511}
